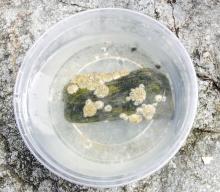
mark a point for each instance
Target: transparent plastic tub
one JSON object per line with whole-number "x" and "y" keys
{"x": 102, "y": 154}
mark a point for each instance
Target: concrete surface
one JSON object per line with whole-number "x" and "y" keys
{"x": 195, "y": 22}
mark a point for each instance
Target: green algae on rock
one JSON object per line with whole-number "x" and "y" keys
{"x": 122, "y": 95}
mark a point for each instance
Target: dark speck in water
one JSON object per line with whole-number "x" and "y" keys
{"x": 133, "y": 49}
{"x": 120, "y": 62}
{"x": 158, "y": 66}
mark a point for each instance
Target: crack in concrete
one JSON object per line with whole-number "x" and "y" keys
{"x": 203, "y": 77}
{"x": 74, "y": 4}
{"x": 176, "y": 29}
{"x": 127, "y": 4}
{"x": 206, "y": 131}
{"x": 156, "y": 12}
{"x": 206, "y": 78}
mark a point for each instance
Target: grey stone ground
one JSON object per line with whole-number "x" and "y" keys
{"x": 195, "y": 22}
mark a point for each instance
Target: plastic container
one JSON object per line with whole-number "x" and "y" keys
{"x": 102, "y": 40}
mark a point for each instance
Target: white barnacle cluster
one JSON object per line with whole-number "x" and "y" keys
{"x": 101, "y": 91}
{"x": 137, "y": 95}
{"x": 95, "y": 82}
{"x": 133, "y": 118}
{"x": 72, "y": 88}
{"x": 123, "y": 116}
{"x": 145, "y": 111}
{"x": 91, "y": 107}
{"x": 99, "y": 104}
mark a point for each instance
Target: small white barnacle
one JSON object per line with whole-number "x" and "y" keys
{"x": 139, "y": 110}
{"x": 135, "y": 118}
{"x": 164, "y": 99}
{"x": 136, "y": 103}
{"x": 99, "y": 104}
{"x": 127, "y": 98}
{"x": 72, "y": 88}
{"x": 160, "y": 98}
{"x": 89, "y": 109}
{"x": 108, "y": 108}
{"x": 91, "y": 85}
{"x": 123, "y": 116}
{"x": 137, "y": 95}
{"x": 148, "y": 111}
{"x": 142, "y": 86}
{"x": 81, "y": 80}
{"x": 101, "y": 91}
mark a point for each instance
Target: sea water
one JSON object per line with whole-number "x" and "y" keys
{"x": 104, "y": 141}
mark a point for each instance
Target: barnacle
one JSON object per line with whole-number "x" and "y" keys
{"x": 134, "y": 118}
{"x": 138, "y": 94}
{"x": 99, "y": 104}
{"x": 160, "y": 98}
{"x": 148, "y": 111}
{"x": 108, "y": 108}
{"x": 89, "y": 109}
{"x": 123, "y": 116}
{"x": 72, "y": 88}
{"x": 101, "y": 91}
{"x": 100, "y": 96}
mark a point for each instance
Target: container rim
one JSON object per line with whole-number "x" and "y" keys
{"x": 138, "y": 175}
